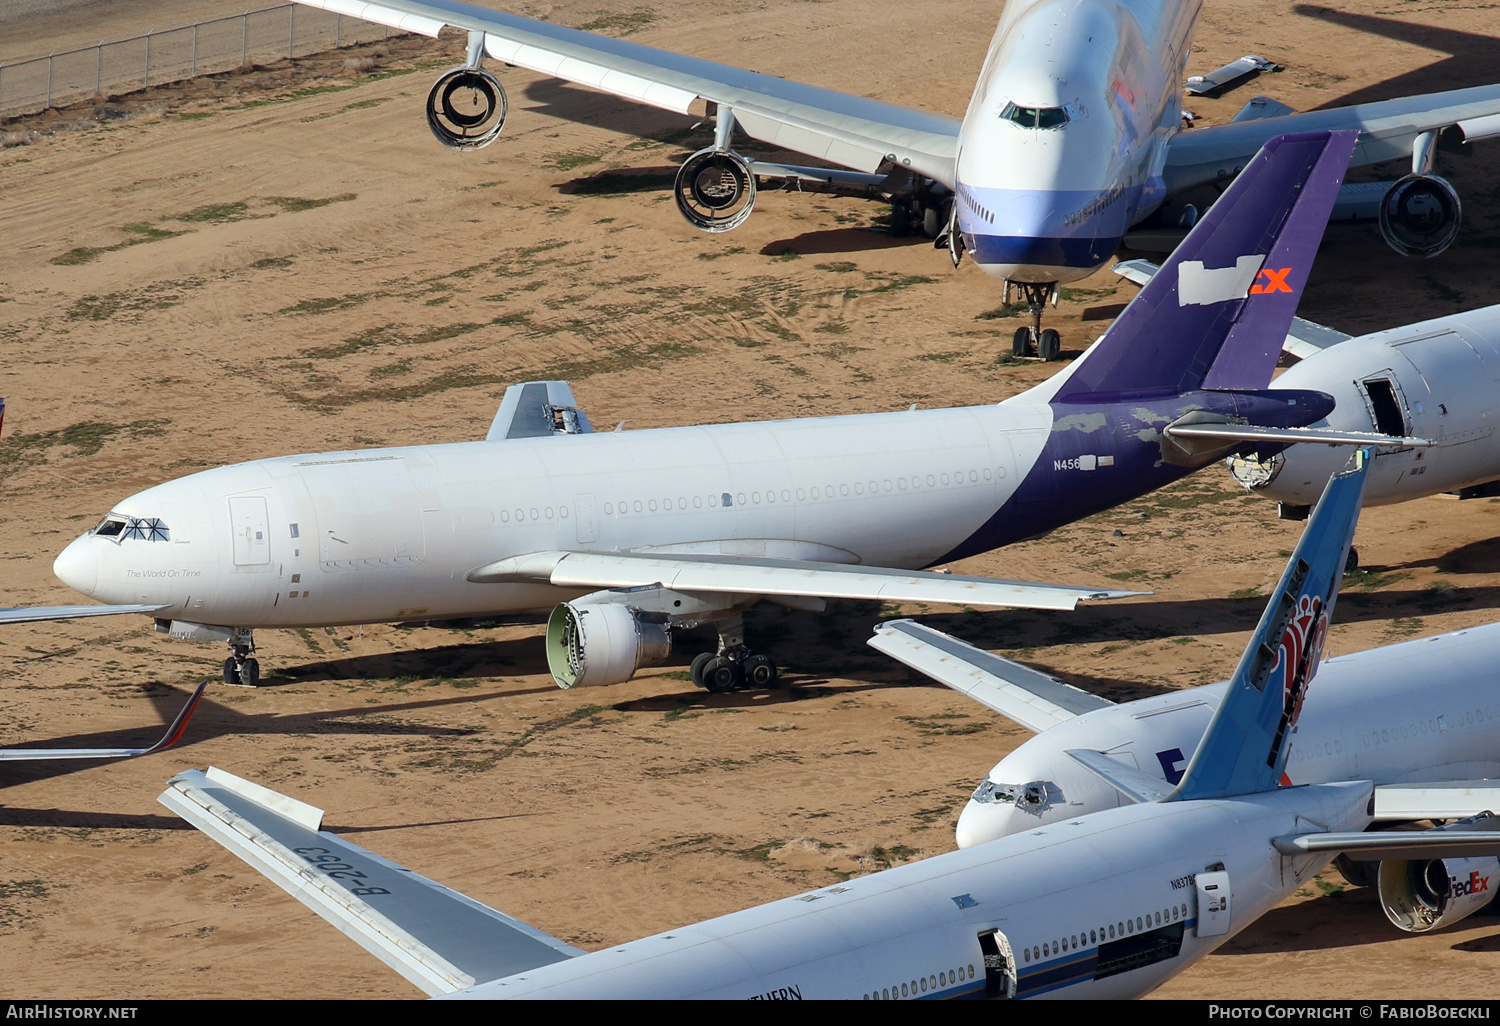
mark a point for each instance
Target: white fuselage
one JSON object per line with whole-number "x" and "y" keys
{"x": 1105, "y": 906}
{"x": 389, "y": 534}
{"x": 1363, "y": 721}
{"x": 1436, "y": 379}
{"x": 1063, "y": 144}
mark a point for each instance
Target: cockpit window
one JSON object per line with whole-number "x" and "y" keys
{"x": 1035, "y": 117}
{"x": 991, "y": 793}
{"x": 109, "y": 527}
{"x": 118, "y": 527}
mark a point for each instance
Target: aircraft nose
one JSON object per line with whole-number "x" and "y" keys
{"x": 77, "y": 566}
{"x": 980, "y": 823}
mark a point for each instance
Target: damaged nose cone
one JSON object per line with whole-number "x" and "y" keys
{"x": 78, "y": 567}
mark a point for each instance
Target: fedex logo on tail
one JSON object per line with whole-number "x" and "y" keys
{"x": 1199, "y": 285}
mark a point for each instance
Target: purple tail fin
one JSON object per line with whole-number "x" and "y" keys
{"x": 1217, "y": 313}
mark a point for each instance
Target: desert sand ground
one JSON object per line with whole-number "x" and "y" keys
{"x": 217, "y": 277}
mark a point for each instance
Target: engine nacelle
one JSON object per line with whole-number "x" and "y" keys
{"x": 1425, "y": 894}
{"x": 1420, "y": 215}
{"x": 604, "y": 643}
{"x": 466, "y": 108}
{"x": 715, "y": 190}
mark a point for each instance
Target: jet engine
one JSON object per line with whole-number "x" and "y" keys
{"x": 715, "y": 190}
{"x": 466, "y": 108}
{"x": 1425, "y": 894}
{"x": 1420, "y": 215}
{"x": 605, "y": 643}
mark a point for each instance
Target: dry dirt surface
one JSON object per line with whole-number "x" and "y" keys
{"x": 284, "y": 260}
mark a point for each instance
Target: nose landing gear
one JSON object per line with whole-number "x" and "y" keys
{"x": 1036, "y": 340}
{"x": 242, "y": 669}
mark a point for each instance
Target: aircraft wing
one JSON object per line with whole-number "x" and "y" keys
{"x": 1030, "y": 698}
{"x": 1387, "y": 129}
{"x": 1443, "y": 799}
{"x": 174, "y": 734}
{"x": 779, "y": 577}
{"x": 437, "y": 938}
{"x": 1472, "y": 838}
{"x": 36, "y": 614}
{"x": 847, "y": 130}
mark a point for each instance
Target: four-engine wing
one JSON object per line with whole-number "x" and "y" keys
{"x": 750, "y": 576}
{"x": 847, "y": 130}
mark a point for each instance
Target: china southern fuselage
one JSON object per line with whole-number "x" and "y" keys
{"x": 1363, "y": 721}
{"x": 1064, "y": 142}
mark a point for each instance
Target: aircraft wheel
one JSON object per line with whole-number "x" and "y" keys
{"x": 1020, "y": 344}
{"x": 231, "y": 672}
{"x": 721, "y": 675}
{"x": 1352, "y": 563}
{"x": 700, "y": 661}
{"x": 1049, "y": 346}
{"x": 932, "y": 222}
{"x": 760, "y": 672}
{"x": 900, "y": 218}
{"x": 250, "y": 673}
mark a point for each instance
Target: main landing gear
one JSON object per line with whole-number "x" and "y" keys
{"x": 733, "y": 667}
{"x": 1034, "y": 340}
{"x": 242, "y": 669}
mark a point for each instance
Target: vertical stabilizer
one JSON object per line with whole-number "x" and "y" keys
{"x": 1218, "y": 311}
{"x": 1244, "y": 750}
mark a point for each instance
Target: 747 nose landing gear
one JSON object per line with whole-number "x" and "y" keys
{"x": 1035, "y": 340}
{"x": 242, "y": 669}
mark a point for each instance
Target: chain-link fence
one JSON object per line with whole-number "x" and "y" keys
{"x": 175, "y": 54}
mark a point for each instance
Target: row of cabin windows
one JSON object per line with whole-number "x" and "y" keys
{"x": 755, "y": 498}
{"x": 1103, "y": 934}
{"x": 918, "y": 987}
{"x": 1439, "y": 725}
{"x": 817, "y": 494}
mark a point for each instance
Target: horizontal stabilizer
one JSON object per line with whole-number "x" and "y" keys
{"x": 1378, "y": 845}
{"x": 37, "y": 614}
{"x": 1210, "y": 436}
{"x": 1448, "y": 799}
{"x": 538, "y": 409}
{"x": 1129, "y": 781}
{"x": 1200, "y": 85}
{"x": 174, "y": 734}
{"x": 1030, "y": 698}
{"x": 438, "y": 939}
{"x": 748, "y": 575}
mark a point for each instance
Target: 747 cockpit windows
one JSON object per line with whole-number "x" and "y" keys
{"x": 116, "y": 527}
{"x": 1035, "y": 117}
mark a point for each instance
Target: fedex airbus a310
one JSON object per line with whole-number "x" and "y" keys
{"x": 629, "y": 534}
{"x": 1108, "y": 905}
{"x": 1072, "y": 134}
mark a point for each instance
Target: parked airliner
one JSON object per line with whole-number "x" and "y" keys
{"x": 1432, "y": 751}
{"x": 1438, "y": 378}
{"x": 1106, "y": 905}
{"x": 1072, "y": 134}
{"x": 630, "y": 533}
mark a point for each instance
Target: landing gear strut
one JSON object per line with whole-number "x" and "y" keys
{"x": 242, "y": 669}
{"x": 1034, "y": 340}
{"x": 733, "y": 667}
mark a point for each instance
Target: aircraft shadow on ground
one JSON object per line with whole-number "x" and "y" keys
{"x": 839, "y": 240}
{"x": 214, "y": 720}
{"x": 1470, "y": 60}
